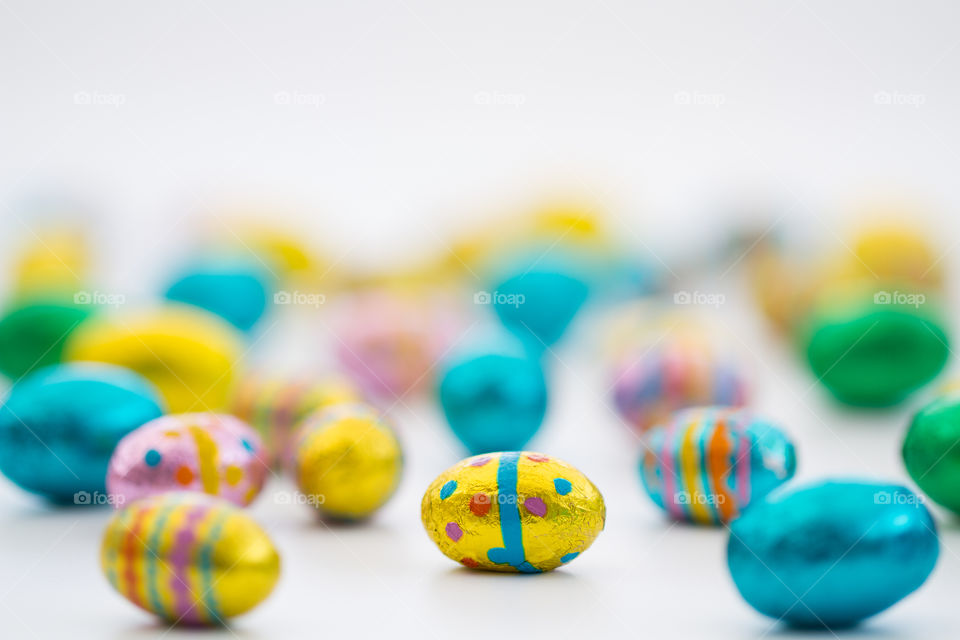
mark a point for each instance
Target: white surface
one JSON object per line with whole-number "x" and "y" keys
{"x": 643, "y": 576}
{"x": 394, "y": 143}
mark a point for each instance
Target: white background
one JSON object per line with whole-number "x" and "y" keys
{"x": 407, "y": 120}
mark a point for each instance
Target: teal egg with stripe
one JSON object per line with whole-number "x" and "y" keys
{"x": 706, "y": 465}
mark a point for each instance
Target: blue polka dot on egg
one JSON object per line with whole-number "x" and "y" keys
{"x": 447, "y": 489}
{"x": 152, "y": 458}
{"x": 562, "y": 485}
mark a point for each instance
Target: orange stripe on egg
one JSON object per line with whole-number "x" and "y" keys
{"x": 719, "y": 449}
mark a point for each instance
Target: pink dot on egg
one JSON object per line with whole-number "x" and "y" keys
{"x": 479, "y": 462}
{"x": 537, "y": 457}
{"x": 536, "y": 506}
{"x": 454, "y": 532}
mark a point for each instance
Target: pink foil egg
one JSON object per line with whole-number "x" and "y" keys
{"x": 390, "y": 343}
{"x": 204, "y": 452}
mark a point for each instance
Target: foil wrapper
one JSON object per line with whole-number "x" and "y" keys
{"x": 515, "y": 511}
{"x": 348, "y": 461}
{"x": 189, "y": 558}
{"x": 205, "y": 452}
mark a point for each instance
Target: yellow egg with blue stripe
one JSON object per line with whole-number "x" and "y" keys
{"x": 514, "y": 511}
{"x": 189, "y": 558}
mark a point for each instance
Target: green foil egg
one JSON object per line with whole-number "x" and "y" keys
{"x": 32, "y": 335}
{"x": 931, "y": 451}
{"x": 875, "y": 347}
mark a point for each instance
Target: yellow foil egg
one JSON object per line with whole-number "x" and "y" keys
{"x": 347, "y": 461}
{"x": 189, "y": 354}
{"x": 513, "y": 511}
{"x": 54, "y": 261}
{"x": 189, "y": 558}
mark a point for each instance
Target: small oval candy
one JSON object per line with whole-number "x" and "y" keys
{"x": 650, "y": 384}
{"x": 188, "y": 353}
{"x": 347, "y": 461}
{"x": 537, "y": 303}
{"x": 33, "y": 334}
{"x": 283, "y": 250}
{"x": 275, "y": 406}
{"x": 189, "y": 558}
{"x": 706, "y": 465}
{"x": 60, "y": 424}
{"x": 389, "y": 342}
{"x": 874, "y": 348}
{"x": 512, "y": 511}
{"x": 931, "y": 451}
{"x": 494, "y": 401}
{"x": 53, "y": 261}
{"x": 206, "y": 452}
{"x": 235, "y": 289}
{"x": 833, "y": 553}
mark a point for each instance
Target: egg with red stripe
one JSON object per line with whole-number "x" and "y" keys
{"x": 189, "y": 558}
{"x": 204, "y": 452}
{"x": 705, "y": 465}
{"x": 514, "y": 511}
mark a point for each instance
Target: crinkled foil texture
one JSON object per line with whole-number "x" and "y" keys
{"x": 513, "y": 511}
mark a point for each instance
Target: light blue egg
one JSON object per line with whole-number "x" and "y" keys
{"x": 59, "y": 426}
{"x": 494, "y": 401}
{"x": 235, "y": 289}
{"x": 833, "y": 553}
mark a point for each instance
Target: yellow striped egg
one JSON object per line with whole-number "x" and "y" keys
{"x": 189, "y": 558}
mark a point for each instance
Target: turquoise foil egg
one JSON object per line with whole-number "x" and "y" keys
{"x": 235, "y": 289}
{"x": 59, "y": 426}
{"x": 494, "y": 401}
{"x": 539, "y": 304}
{"x": 706, "y": 465}
{"x": 833, "y": 553}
